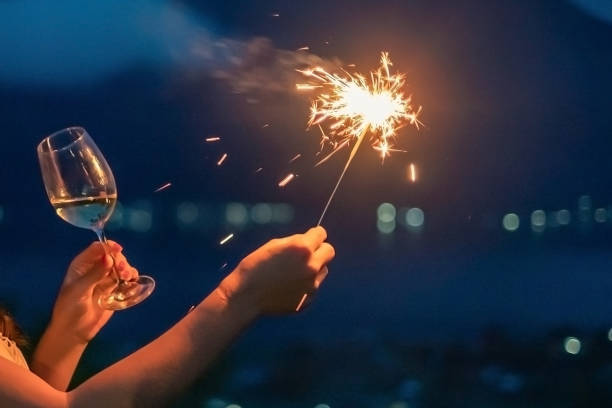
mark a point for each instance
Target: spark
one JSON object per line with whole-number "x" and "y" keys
{"x": 305, "y": 48}
{"x": 212, "y": 139}
{"x": 297, "y": 156}
{"x": 286, "y": 180}
{"x": 351, "y": 65}
{"x": 191, "y": 309}
{"x": 222, "y": 159}
{"x": 329, "y": 155}
{"x": 161, "y": 188}
{"x": 227, "y": 238}
{"x": 355, "y": 105}
{"x": 265, "y": 126}
{"x": 259, "y": 169}
{"x": 412, "y": 172}
{"x": 223, "y": 266}
{"x": 275, "y": 15}
{"x": 299, "y": 306}
{"x": 307, "y": 87}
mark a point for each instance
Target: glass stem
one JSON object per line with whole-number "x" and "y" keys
{"x": 102, "y": 238}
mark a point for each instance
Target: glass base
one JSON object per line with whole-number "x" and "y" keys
{"x": 128, "y": 294}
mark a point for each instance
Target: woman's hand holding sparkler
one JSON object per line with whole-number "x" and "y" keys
{"x": 274, "y": 278}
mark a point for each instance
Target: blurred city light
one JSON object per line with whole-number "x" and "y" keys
{"x": 511, "y": 222}
{"x": 600, "y": 215}
{"x": 610, "y": 334}
{"x": 187, "y": 213}
{"x": 564, "y": 217}
{"x": 538, "y": 218}
{"x": 139, "y": 216}
{"x": 572, "y": 345}
{"x": 584, "y": 203}
{"x": 261, "y": 213}
{"x": 282, "y": 213}
{"x": 385, "y": 227}
{"x": 415, "y": 217}
{"x": 236, "y": 214}
{"x": 386, "y": 212}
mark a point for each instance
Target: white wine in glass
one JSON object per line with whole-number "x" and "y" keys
{"x": 81, "y": 188}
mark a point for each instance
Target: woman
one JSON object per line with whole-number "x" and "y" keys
{"x": 271, "y": 280}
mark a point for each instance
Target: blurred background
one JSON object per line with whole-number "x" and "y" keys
{"x": 483, "y": 283}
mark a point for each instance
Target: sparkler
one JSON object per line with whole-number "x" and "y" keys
{"x": 357, "y": 105}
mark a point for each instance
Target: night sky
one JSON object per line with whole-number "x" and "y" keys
{"x": 516, "y": 107}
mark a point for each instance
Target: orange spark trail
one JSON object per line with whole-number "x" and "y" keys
{"x": 212, "y": 139}
{"x": 222, "y": 159}
{"x": 165, "y": 186}
{"x": 286, "y": 180}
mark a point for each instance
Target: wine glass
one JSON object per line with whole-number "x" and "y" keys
{"x": 81, "y": 188}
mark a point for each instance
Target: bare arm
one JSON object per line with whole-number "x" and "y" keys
{"x": 269, "y": 281}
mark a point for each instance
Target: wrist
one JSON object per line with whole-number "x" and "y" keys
{"x": 236, "y": 301}
{"x": 66, "y": 334}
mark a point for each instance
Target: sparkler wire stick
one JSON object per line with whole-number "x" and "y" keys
{"x": 346, "y": 166}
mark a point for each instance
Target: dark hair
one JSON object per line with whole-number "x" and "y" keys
{"x": 10, "y": 329}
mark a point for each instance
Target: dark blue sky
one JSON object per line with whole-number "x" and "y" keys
{"x": 516, "y": 102}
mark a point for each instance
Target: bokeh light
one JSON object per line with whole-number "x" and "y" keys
{"x": 386, "y": 212}
{"x": 415, "y": 217}
{"x": 564, "y": 217}
{"x": 236, "y": 214}
{"x": 572, "y": 345}
{"x": 187, "y": 213}
{"x": 511, "y": 222}
{"x": 261, "y": 213}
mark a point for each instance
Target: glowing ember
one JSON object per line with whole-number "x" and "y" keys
{"x": 275, "y": 15}
{"x": 224, "y": 240}
{"x": 165, "y": 186}
{"x": 265, "y": 126}
{"x": 297, "y": 156}
{"x": 259, "y": 169}
{"x": 306, "y": 48}
{"x": 412, "y": 172}
{"x": 212, "y": 139}
{"x": 286, "y": 180}
{"x": 222, "y": 159}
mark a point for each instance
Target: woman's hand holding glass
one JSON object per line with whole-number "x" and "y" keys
{"x": 77, "y": 311}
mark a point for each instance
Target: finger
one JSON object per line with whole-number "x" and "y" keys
{"x": 314, "y": 237}
{"x": 323, "y": 255}
{"x": 95, "y": 274}
{"x": 321, "y": 277}
{"x": 114, "y": 246}
{"x": 89, "y": 256}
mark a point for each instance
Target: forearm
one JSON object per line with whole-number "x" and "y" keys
{"x": 157, "y": 372}
{"x": 56, "y": 357}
